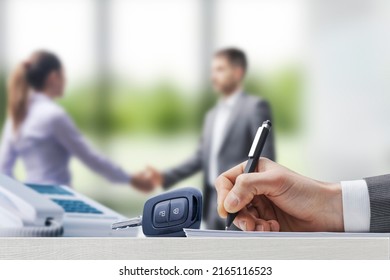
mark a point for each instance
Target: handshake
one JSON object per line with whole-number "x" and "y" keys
{"x": 147, "y": 180}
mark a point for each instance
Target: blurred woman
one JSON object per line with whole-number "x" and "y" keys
{"x": 40, "y": 132}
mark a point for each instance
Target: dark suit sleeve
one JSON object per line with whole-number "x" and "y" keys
{"x": 379, "y": 193}
{"x": 185, "y": 169}
{"x": 263, "y": 113}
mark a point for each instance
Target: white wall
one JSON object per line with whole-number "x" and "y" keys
{"x": 348, "y": 89}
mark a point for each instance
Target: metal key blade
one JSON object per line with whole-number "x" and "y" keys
{"x": 134, "y": 222}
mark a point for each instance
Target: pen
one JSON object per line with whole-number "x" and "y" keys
{"x": 253, "y": 158}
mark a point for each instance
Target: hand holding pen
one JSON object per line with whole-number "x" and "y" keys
{"x": 274, "y": 198}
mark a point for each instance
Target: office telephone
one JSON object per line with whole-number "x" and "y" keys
{"x": 53, "y": 210}
{"x": 24, "y": 212}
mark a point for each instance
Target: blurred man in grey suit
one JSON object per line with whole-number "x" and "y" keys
{"x": 228, "y": 131}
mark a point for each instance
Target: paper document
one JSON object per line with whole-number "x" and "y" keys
{"x": 248, "y": 234}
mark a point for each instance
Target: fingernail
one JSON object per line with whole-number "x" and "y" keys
{"x": 231, "y": 200}
{"x": 259, "y": 228}
{"x": 243, "y": 225}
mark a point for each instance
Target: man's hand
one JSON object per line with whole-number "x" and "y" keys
{"x": 141, "y": 183}
{"x": 154, "y": 176}
{"x": 147, "y": 180}
{"x": 275, "y": 198}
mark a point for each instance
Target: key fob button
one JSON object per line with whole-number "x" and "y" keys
{"x": 161, "y": 214}
{"x": 179, "y": 211}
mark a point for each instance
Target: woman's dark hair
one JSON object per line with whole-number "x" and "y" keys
{"x": 29, "y": 74}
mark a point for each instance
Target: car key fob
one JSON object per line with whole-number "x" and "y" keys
{"x": 168, "y": 214}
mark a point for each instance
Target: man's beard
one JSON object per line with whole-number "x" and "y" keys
{"x": 229, "y": 88}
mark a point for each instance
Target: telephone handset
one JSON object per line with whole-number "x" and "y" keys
{"x": 24, "y": 212}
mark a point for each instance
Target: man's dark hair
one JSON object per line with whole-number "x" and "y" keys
{"x": 235, "y": 56}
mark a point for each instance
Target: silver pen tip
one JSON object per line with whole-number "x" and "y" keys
{"x": 226, "y": 228}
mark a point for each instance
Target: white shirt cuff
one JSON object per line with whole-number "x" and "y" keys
{"x": 356, "y": 206}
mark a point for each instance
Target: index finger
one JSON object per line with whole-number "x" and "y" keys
{"x": 225, "y": 183}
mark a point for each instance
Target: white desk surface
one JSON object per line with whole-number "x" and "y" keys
{"x": 194, "y": 248}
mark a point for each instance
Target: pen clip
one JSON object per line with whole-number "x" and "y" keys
{"x": 255, "y": 142}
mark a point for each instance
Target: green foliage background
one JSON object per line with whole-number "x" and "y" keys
{"x": 165, "y": 109}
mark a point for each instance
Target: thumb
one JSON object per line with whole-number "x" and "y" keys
{"x": 246, "y": 187}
